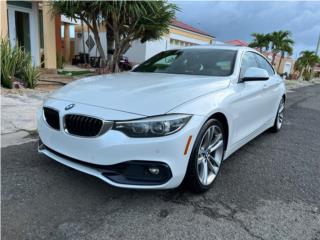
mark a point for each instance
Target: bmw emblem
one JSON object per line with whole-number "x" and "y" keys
{"x": 68, "y": 107}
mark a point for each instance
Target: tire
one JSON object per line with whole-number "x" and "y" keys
{"x": 279, "y": 118}
{"x": 199, "y": 159}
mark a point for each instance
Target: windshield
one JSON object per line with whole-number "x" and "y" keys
{"x": 210, "y": 62}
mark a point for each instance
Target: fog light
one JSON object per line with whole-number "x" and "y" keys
{"x": 154, "y": 170}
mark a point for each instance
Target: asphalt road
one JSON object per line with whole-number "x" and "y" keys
{"x": 269, "y": 189}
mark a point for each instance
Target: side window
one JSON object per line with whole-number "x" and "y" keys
{"x": 164, "y": 63}
{"x": 167, "y": 60}
{"x": 263, "y": 63}
{"x": 248, "y": 60}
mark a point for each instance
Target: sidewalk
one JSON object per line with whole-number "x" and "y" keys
{"x": 293, "y": 84}
{"x": 18, "y": 115}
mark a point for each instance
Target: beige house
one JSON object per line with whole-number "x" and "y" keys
{"x": 286, "y": 64}
{"x": 180, "y": 35}
{"x": 31, "y": 25}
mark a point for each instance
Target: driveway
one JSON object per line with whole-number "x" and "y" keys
{"x": 269, "y": 189}
{"x": 18, "y": 114}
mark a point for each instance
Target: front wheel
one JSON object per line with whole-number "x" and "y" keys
{"x": 206, "y": 157}
{"x": 279, "y": 118}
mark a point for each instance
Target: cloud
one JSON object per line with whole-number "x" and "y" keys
{"x": 237, "y": 20}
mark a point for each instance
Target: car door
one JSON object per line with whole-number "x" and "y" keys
{"x": 271, "y": 89}
{"x": 248, "y": 106}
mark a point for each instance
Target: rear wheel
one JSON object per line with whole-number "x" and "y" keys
{"x": 279, "y": 118}
{"x": 206, "y": 157}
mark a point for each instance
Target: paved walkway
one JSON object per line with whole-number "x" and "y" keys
{"x": 18, "y": 115}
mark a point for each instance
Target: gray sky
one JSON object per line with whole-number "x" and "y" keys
{"x": 237, "y": 20}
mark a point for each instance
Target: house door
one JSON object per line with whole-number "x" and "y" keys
{"x": 22, "y": 23}
{"x": 24, "y": 28}
{"x": 287, "y": 68}
{"x": 19, "y": 28}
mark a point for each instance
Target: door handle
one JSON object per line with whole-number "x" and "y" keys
{"x": 265, "y": 86}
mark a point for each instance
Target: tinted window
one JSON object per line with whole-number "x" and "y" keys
{"x": 212, "y": 62}
{"x": 263, "y": 63}
{"x": 248, "y": 60}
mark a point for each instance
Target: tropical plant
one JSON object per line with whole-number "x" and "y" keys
{"x": 31, "y": 75}
{"x": 285, "y": 49}
{"x": 8, "y": 64}
{"x": 125, "y": 21}
{"x": 17, "y": 63}
{"x": 280, "y": 42}
{"x": 305, "y": 64}
{"x": 13, "y": 61}
{"x": 260, "y": 41}
{"x": 132, "y": 20}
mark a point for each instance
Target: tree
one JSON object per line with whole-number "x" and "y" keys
{"x": 127, "y": 21}
{"x": 87, "y": 11}
{"x": 280, "y": 42}
{"x": 286, "y": 48}
{"x": 305, "y": 64}
{"x": 260, "y": 41}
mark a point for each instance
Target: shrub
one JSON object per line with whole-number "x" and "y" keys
{"x": 15, "y": 62}
{"x": 23, "y": 59}
{"x": 8, "y": 63}
{"x": 307, "y": 75}
{"x": 31, "y": 75}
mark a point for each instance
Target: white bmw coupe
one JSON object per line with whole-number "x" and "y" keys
{"x": 174, "y": 118}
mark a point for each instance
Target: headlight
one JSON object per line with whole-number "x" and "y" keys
{"x": 153, "y": 126}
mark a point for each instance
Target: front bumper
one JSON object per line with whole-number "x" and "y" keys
{"x": 131, "y": 172}
{"x": 96, "y": 155}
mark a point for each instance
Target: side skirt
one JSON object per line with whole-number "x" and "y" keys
{"x": 247, "y": 139}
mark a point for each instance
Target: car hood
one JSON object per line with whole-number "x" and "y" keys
{"x": 140, "y": 93}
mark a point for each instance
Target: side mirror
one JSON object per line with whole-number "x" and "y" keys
{"x": 255, "y": 74}
{"x": 134, "y": 67}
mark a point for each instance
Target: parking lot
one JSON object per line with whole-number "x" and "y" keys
{"x": 269, "y": 189}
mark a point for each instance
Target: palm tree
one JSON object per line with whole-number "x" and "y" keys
{"x": 280, "y": 42}
{"x": 126, "y": 21}
{"x": 132, "y": 20}
{"x": 260, "y": 41}
{"x": 305, "y": 64}
{"x": 286, "y": 48}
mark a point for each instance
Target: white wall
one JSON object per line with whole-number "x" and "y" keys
{"x": 79, "y": 44}
{"x": 141, "y": 52}
{"x": 154, "y": 47}
{"x": 137, "y": 52}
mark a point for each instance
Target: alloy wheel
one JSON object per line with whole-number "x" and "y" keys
{"x": 210, "y": 154}
{"x": 280, "y": 114}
